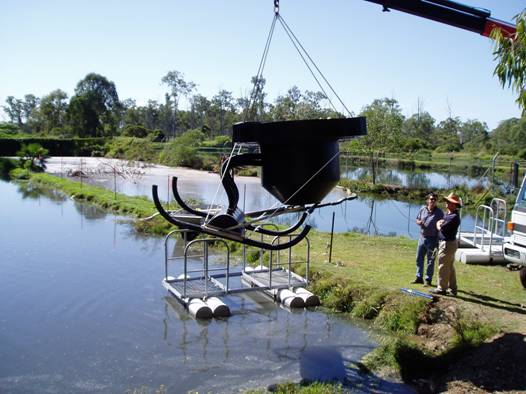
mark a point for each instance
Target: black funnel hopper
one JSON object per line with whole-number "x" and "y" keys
{"x": 299, "y": 159}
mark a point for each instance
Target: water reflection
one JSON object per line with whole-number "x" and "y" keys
{"x": 417, "y": 178}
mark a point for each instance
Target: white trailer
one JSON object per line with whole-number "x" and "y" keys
{"x": 515, "y": 246}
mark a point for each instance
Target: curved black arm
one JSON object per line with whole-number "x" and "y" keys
{"x": 297, "y": 208}
{"x": 289, "y": 230}
{"x": 181, "y": 202}
{"x": 247, "y": 159}
{"x": 224, "y": 234}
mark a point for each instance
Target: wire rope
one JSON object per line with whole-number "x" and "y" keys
{"x": 255, "y": 89}
{"x": 295, "y": 40}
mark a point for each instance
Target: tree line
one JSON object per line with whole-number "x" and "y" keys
{"x": 95, "y": 110}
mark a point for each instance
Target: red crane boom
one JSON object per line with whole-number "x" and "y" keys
{"x": 474, "y": 19}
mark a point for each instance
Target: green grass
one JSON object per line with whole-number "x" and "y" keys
{"x": 388, "y": 263}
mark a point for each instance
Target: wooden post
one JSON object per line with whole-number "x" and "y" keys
{"x": 332, "y": 234}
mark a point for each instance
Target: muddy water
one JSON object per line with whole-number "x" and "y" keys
{"x": 82, "y": 311}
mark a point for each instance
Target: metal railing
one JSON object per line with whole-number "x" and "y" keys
{"x": 204, "y": 272}
{"x": 490, "y": 224}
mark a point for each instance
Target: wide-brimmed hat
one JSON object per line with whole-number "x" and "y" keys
{"x": 452, "y": 197}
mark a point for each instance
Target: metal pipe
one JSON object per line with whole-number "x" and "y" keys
{"x": 332, "y": 233}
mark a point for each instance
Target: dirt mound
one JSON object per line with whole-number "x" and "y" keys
{"x": 498, "y": 365}
{"x": 436, "y": 329}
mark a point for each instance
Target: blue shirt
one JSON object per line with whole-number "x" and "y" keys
{"x": 428, "y": 228}
{"x": 448, "y": 231}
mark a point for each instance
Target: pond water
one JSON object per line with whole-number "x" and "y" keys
{"x": 83, "y": 311}
{"x": 365, "y": 214}
{"x": 416, "y": 178}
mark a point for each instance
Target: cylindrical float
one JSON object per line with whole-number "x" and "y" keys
{"x": 308, "y": 298}
{"x": 288, "y": 298}
{"x": 199, "y": 309}
{"x": 218, "y": 307}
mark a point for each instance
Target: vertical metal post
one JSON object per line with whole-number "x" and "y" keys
{"x": 493, "y": 163}
{"x": 114, "y": 183}
{"x": 515, "y": 174}
{"x": 332, "y": 234}
{"x": 228, "y": 267}
{"x": 205, "y": 263}
{"x": 166, "y": 258}
{"x": 270, "y": 270}
{"x": 290, "y": 260}
{"x": 347, "y": 165}
{"x": 244, "y": 245}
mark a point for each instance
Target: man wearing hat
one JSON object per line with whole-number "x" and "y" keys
{"x": 448, "y": 244}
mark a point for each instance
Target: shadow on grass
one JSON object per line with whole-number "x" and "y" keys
{"x": 485, "y": 300}
{"x": 495, "y": 366}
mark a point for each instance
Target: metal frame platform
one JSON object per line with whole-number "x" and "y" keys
{"x": 201, "y": 281}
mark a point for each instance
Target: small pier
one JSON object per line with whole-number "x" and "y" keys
{"x": 201, "y": 287}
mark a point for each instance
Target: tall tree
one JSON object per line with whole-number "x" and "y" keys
{"x": 510, "y": 53}
{"x": 473, "y": 135}
{"x": 52, "y": 110}
{"x": 178, "y": 88}
{"x": 200, "y": 106}
{"x": 418, "y": 132}
{"x": 384, "y": 125}
{"x": 95, "y": 109}
{"x": 14, "y": 110}
{"x": 448, "y": 133}
{"x": 224, "y": 103}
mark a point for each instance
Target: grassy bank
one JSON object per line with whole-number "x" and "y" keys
{"x": 363, "y": 281}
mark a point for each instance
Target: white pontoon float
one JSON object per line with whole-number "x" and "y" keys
{"x": 483, "y": 245}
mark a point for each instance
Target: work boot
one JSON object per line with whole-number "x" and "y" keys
{"x": 438, "y": 292}
{"x": 417, "y": 281}
{"x": 452, "y": 292}
{"x": 428, "y": 282}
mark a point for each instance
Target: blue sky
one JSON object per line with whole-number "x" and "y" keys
{"x": 364, "y": 53}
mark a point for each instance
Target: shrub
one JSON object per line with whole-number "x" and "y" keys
{"x": 220, "y": 141}
{"x": 33, "y": 157}
{"x": 183, "y": 150}
{"x": 131, "y": 149}
{"x": 135, "y": 130}
{"x": 8, "y": 128}
{"x": 20, "y": 173}
{"x": 400, "y": 315}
